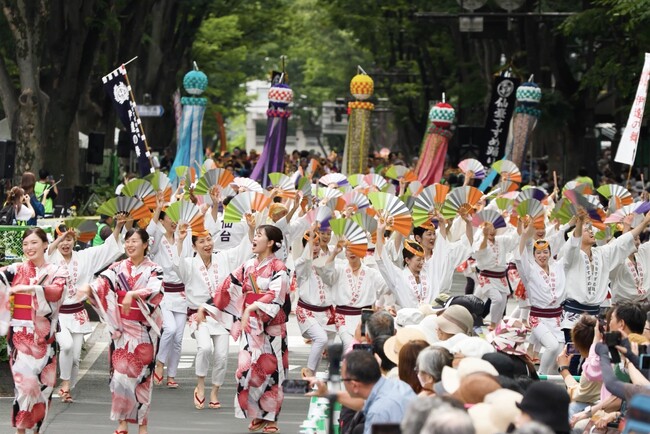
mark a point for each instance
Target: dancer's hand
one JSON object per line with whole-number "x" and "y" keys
{"x": 126, "y": 303}
{"x": 199, "y": 317}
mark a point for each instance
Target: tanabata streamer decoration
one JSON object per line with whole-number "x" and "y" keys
{"x": 118, "y": 89}
{"x": 272, "y": 158}
{"x": 190, "y": 147}
{"x": 434, "y": 146}
{"x": 524, "y": 121}
{"x": 357, "y": 141}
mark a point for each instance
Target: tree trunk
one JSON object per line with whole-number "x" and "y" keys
{"x": 26, "y": 20}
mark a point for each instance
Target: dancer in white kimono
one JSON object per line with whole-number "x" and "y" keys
{"x": 202, "y": 275}
{"x": 173, "y": 306}
{"x": 315, "y": 312}
{"x": 490, "y": 258}
{"x": 545, "y": 280}
{"x": 629, "y": 281}
{"x": 408, "y": 284}
{"x": 73, "y": 317}
{"x": 589, "y": 268}
{"x": 355, "y": 286}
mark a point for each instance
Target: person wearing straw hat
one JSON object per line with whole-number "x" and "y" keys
{"x": 315, "y": 313}
{"x": 73, "y": 318}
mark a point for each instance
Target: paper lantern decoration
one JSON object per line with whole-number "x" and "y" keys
{"x": 362, "y": 87}
{"x": 529, "y": 93}
{"x": 280, "y": 95}
{"x": 195, "y": 82}
{"x": 442, "y": 115}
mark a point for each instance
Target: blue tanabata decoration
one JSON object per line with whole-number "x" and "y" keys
{"x": 189, "y": 151}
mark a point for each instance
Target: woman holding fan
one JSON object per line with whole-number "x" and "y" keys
{"x": 202, "y": 275}
{"x": 37, "y": 288}
{"x": 545, "y": 280}
{"x": 161, "y": 229}
{"x": 315, "y": 313}
{"x": 127, "y": 296}
{"x": 73, "y": 317}
{"x": 254, "y": 302}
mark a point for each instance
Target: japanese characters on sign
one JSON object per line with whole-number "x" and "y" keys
{"x": 502, "y": 104}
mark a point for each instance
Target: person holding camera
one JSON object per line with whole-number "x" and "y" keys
{"x": 27, "y": 183}
{"x": 17, "y": 209}
{"x": 46, "y": 190}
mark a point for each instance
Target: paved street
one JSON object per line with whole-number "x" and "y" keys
{"x": 172, "y": 410}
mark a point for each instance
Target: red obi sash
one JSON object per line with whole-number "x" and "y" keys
{"x": 23, "y": 307}
{"x": 134, "y": 314}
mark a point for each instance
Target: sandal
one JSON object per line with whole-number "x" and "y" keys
{"x": 198, "y": 403}
{"x": 270, "y": 429}
{"x": 157, "y": 378}
{"x": 172, "y": 384}
{"x": 65, "y": 396}
{"x": 257, "y": 424}
{"x": 214, "y": 404}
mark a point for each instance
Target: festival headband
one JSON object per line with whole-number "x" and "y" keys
{"x": 307, "y": 235}
{"x": 541, "y": 244}
{"x": 60, "y": 234}
{"x": 408, "y": 245}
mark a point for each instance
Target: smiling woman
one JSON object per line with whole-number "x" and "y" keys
{"x": 127, "y": 296}
{"x": 37, "y": 288}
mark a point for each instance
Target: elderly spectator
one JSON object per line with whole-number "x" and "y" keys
{"x": 448, "y": 420}
{"x": 429, "y": 365}
{"x": 547, "y": 403}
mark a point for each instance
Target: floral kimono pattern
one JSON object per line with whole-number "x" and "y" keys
{"x": 31, "y": 338}
{"x": 134, "y": 336}
{"x": 263, "y": 350}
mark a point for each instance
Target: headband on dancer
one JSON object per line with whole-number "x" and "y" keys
{"x": 540, "y": 245}
{"x": 412, "y": 246}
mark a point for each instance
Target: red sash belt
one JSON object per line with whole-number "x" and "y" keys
{"x": 349, "y": 310}
{"x": 173, "y": 287}
{"x": 546, "y": 313}
{"x": 312, "y": 307}
{"x": 23, "y": 307}
{"x": 494, "y": 274}
{"x": 134, "y": 313}
{"x": 329, "y": 309}
{"x": 72, "y": 308}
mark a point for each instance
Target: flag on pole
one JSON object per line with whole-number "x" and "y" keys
{"x": 118, "y": 89}
{"x": 626, "y": 152}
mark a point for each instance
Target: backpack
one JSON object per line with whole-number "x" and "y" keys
{"x": 7, "y": 215}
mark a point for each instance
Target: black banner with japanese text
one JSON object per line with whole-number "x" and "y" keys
{"x": 497, "y": 124}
